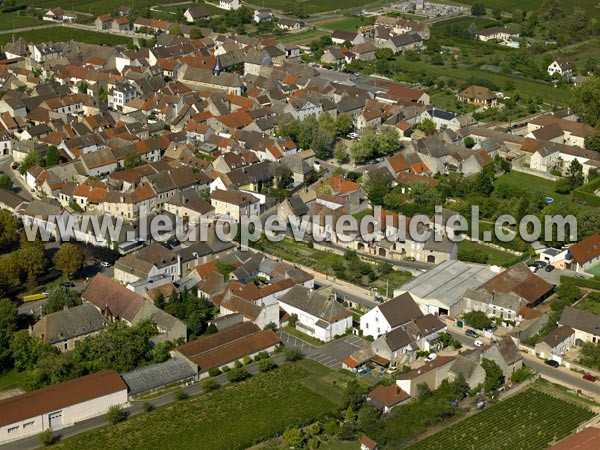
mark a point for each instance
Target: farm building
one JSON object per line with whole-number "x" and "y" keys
{"x": 60, "y": 405}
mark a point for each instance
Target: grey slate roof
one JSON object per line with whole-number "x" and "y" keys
{"x": 70, "y": 323}
{"x": 319, "y": 303}
{"x": 400, "y": 310}
{"x": 157, "y": 375}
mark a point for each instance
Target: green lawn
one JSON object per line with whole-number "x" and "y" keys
{"x": 589, "y": 306}
{"x": 595, "y": 270}
{"x": 232, "y": 417}
{"x": 495, "y": 257}
{"x": 530, "y": 420}
{"x": 10, "y": 380}
{"x": 13, "y": 21}
{"x": 62, "y": 34}
{"x": 301, "y": 38}
{"x": 300, "y": 335}
{"x": 448, "y": 101}
{"x": 212, "y": 9}
{"x": 533, "y": 184}
{"x": 343, "y": 23}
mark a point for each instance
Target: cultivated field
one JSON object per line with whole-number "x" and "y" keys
{"x": 63, "y": 34}
{"x": 319, "y": 6}
{"x": 530, "y": 420}
{"x": 232, "y": 417}
{"x": 12, "y": 21}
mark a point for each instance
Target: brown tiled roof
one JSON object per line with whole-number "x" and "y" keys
{"x": 226, "y": 346}
{"x": 519, "y": 280}
{"x": 339, "y": 185}
{"x": 58, "y": 396}
{"x": 586, "y": 439}
{"x": 585, "y": 250}
{"x": 398, "y": 163}
{"x": 478, "y": 93}
{"x": 104, "y": 292}
{"x": 364, "y": 439}
{"x": 388, "y": 396}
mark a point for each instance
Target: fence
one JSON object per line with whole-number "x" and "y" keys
{"x": 537, "y": 173}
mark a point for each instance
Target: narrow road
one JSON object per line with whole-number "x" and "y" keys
{"x": 20, "y": 187}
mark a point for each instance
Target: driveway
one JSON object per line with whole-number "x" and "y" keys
{"x": 330, "y": 354}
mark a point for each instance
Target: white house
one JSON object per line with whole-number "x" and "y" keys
{"x": 318, "y": 313}
{"x": 389, "y": 315}
{"x": 584, "y": 254}
{"x": 229, "y": 5}
{"x": 121, "y": 94}
{"x": 562, "y": 67}
{"x": 586, "y": 325}
{"x": 60, "y": 405}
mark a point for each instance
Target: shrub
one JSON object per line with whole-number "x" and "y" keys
{"x": 214, "y": 372}
{"x": 180, "y": 394}
{"x": 225, "y": 369}
{"x": 247, "y": 360}
{"x": 210, "y": 385}
{"x": 292, "y": 354}
{"x": 521, "y": 374}
{"x": 261, "y": 355}
{"x": 46, "y": 437}
{"x": 266, "y": 365}
{"x": 148, "y": 407}
{"x": 115, "y": 414}
{"x": 238, "y": 364}
{"x": 237, "y": 375}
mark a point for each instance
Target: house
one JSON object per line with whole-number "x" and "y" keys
{"x": 522, "y": 282}
{"x": 584, "y": 254}
{"x": 506, "y": 354}
{"x": 116, "y": 302}
{"x": 442, "y": 119}
{"x": 120, "y": 24}
{"x": 60, "y": 405}
{"x": 235, "y": 204}
{"x": 478, "y": 95}
{"x": 403, "y": 42}
{"x": 332, "y": 55}
{"x": 341, "y": 36}
{"x": 494, "y": 304}
{"x": 385, "y": 398}
{"x": 229, "y": 5}
{"x": 364, "y": 51}
{"x": 366, "y": 443}
{"x": 59, "y": 15}
{"x": 431, "y": 373}
{"x": 150, "y": 261}
{"x": 556, "y": 343}
{"x": 470, "y": 369}
{"x": 441, "y": 290}
{"x": 195, "y": 13}
{"x": 65, "y": 328}
{"x": 560, "y": 67}
{"x": 498, "y": 34}
{"x": 389, "y": 315}
{"x": 289, "y": 24}
{"x": 585, "y": 325}
{"x": 394, "y": 348}
{"x": 319, "y": 313}
{"x": 225, "y": 347}
{"x": 103, "y": 22}
{"x": 262, "y": 15}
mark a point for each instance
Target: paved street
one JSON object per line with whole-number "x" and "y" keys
{"x": 330, "y": 354}
{"x": 20, "y": 188}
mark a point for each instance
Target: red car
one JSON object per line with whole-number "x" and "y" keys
{"x": 589, "y": 377}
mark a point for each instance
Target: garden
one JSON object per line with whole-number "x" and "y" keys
{"x": 530, "y": 420}
{"x": 232, "y": 417}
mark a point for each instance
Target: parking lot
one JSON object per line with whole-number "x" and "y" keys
{"x": 330, "y": 354}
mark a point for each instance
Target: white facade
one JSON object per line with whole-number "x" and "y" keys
{"x": 65, "y": 417}
{"x": 229, "y": 5}
{"x": 374, "y": 323}
{"x": 316, "y": 327}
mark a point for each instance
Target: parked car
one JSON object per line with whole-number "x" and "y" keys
{"x": 533, "y": 269}
{"x": 478, "y": 343}
{"x": 472, "y": 333}
{"x": 105, "y": 264}
{"x": 552, "y": 363}
{"x": 46, "y": 292}
{"x": 549, "y": 268}
{"x": 491, "y": 328}
{"x": 589, "y": 377}
{"x": 68, "y": 284}
{"x": 540, "y": 264}
{"x": 431, "y": 357}
{"x": 578, "y": 275}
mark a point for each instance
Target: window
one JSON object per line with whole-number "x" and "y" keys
{"x": 28, "y": 424}
{"x": 13, "y": 429}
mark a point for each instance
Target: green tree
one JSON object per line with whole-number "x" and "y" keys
{"x": 34, "y": 157}
{"x": 388, "y": 140}
{"x": 340, "y": 152}
{"x": 477, "y": 9}
{"x": 196, "y": 33}
{"x": 175, "y": 31}
{"x": 6, "y": 182}
{"x": 8, "y": 325}
{"x": 589, "y": 355}
{"x": 238, "y": 374}
{"x": 369, "y": 421}
{"x": 266, "y": 365}
{"x": 132, "y": 159}
{"x": 115, "y": 414}
{"x": 377, "y": 187}
{"x": 586, "y": 101}
{"x": 9, "y": 230}
{"x": 69, "y": 259}
{"x": 424, "y": 391}
{"x": 294, "y": 437}
{"x": 477, "y": 319}
{"x": 427, "y": 126}
{"x": 343, "y": 124}
{"x": 27, "y": 350}
{"x": 494, "y": 378}
{"x": 52, "y": 156}
{"x": 322, "y": 144}
{"x": 354, "y": 395}
{"x": 569, "y": 292}
{"x": 593, "y": 142}
{"x": 59, "y": 298}
{"x": 46, "y": 437}
{"x": 469, "y": 142}
{"x": 575, "y": 174}
{"x": 292, "y": 354}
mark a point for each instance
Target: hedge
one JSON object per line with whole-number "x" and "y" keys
{"x": 590, "y": 283}
{"x": 586, "y": 193}
{"x": 10, "y": 9}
